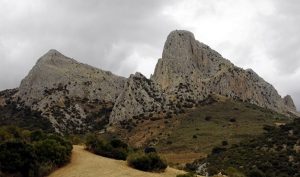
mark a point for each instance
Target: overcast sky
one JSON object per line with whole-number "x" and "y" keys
{"x": 128, "y": 36}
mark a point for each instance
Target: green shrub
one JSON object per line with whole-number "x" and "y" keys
{"x": 147, "y": 162}
{"x": 37, "y": 135}
{"x": 32, "y": 154}
{"x": 116, "y": 143}
{"x": 115, "y": 148}
{"x": 187, "y": 175}
{"x": 256, "y": 173}
{"x": 17, "y": 157}
{"x": 50, "y": 150}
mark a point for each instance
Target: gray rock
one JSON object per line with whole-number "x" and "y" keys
{"x": 288, "y": 101}
{"x": 188, "y": 72}
{"x": 62, "y": 89}
{"x": 189, "y": 62}
{"x": 141, "y": 98}
{"x": 56, "y": 71}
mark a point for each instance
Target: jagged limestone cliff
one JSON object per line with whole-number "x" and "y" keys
{"x": 189, "y": 71}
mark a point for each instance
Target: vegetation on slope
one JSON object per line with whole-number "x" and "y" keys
{"x": 31, "y": 153}
{"x": 220, "y": 122}
{"x": 113, "y": 148}
{"x": 147, "y": 162}
{"x": 192, "y": 135}
{"x": 276, "y": 153}
{"x": 16, "y": 113}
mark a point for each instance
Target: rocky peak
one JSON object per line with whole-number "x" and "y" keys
{"x": 188, "y": 62}
{"x": 55, "y": 58}
{"x": 53, "y": 52}
{"x": 180, "y": 44}
{"x": 54, "y": 69}
{"x": 59, "y": 84}
{"x": 288, "y": 101}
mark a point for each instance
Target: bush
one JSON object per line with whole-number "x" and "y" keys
{"x": 147, "y": 162}
{"x": 149, "y": 150}
{"x": 115, "y": 149}
{"x": 52, "y": 151}
{"x": 17, "y": 157}
{"x": 218, "y": 150}
{"x": 256, "y": 173}
{"x": 187, "y": 175}
{"x": 232, "y": 120}
{"x": 32, "y": 154}
{"x": 208, "y": 118}
{"x": 224, "y": 143}
{"x": 116, "y": 143}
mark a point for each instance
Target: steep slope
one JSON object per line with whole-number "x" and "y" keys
{"x": 75, "y": 97}
{"x": 189, "y": 62}
{"x": 140, "y": 96}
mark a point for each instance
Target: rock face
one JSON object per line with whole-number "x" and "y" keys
{"x": 190, "y": 71}
{"x": 288, "y": 101}
{"x": 140, "y": 98}
{"x": 189, "y": 62}
{"x": 54, "y": 71}
{"x": 67, "y": 91}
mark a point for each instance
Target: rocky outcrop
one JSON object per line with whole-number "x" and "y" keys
{"x": 141, "y": 98}
{"x": 187, "y": 61}
{"x": 288, "y": 101}
{"x": 55, "y": 72}
{"x": 69, "y": 92}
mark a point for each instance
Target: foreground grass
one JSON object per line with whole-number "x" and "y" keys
{"x": 87, "y": 164}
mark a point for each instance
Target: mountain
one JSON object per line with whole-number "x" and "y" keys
{"x": 77, "y": 98}
{"x": 55, "y": 72}
{"x": 190, "y": 71}
{"x": 72, "y": 95}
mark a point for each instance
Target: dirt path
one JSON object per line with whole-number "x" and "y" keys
{"x": 86, "y": 164}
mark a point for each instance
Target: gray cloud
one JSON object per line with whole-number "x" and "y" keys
{"x": 101, "y": 33}
{"x": 282, "y": 36}
{"x": 128, "y": 36}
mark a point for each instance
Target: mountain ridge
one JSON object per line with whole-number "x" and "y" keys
{"x": 78, "y": 97}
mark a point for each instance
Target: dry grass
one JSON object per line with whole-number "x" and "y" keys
{"x": 183, "y": 157}
{"x": 86, "y": 164}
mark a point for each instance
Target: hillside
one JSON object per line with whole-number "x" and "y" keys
{"x": 84, "y": 163}
{"x": 276, "y": 153}
{"x": 193, "y": 134}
